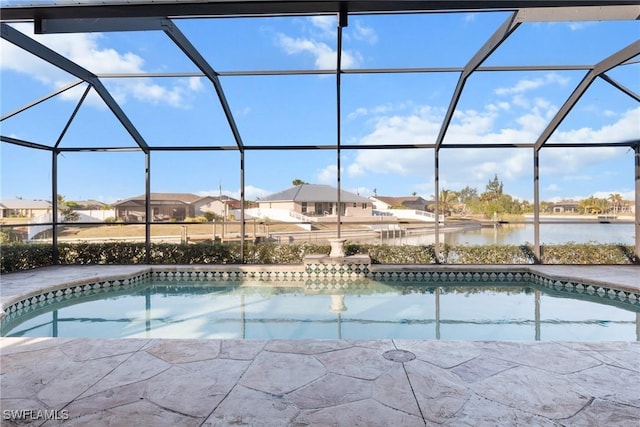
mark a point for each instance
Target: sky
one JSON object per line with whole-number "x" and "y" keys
{"x": 300, "y": 110}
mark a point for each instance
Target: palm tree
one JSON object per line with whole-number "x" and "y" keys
{"x": 616, "y": 201}
{"x": 446, "y": 200}
{"x": 66, "y": 209}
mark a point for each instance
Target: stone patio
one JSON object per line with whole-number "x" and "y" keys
{"x": 162, "y": 382}
{"x": 279, "y": 383}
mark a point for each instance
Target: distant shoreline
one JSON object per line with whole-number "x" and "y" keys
{"x": 577, "y": 216}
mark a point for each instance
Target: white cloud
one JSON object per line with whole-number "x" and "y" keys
{"x": 579, "y": 25}
{"x": 195, "y": 84}
{"x": 526, "y": 85}
{"x": 624, "y": 129}
{"x": 379, "y": 110}
{"x": 461, "y": 167}
{"x": 362, "y": 191}
{"x": 364, "y": 33}
{"x": 324, "y": 56}
{"x": 626, "y": 194}
{"x": 327, "y": 175}
{"x": 250, "y": 193}
{"x": 358, "y": 112}
{"x": 327, "y": 23}
{"x": 470, "y": 17}
{"x": 86, "y": 51}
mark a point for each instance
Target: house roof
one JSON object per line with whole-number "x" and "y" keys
{"x": 24, "y": 204}
{"x": 186, "y": 198}
{"x": 398, "y": 201}
{"x": 90, "y": 203}
{"x": 314, "y": 193}
{"x": 567, "y": 203}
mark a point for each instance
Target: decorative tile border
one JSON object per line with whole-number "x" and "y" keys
{"x": 49, "y": 296}
{"x": 227, "y": 276}
{"x": 321, "y": 276}
{"x": 578, "y": 288}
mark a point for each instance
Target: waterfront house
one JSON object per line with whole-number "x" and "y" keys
{"x": 566, "y": 206}
{"x": 22, "y": 208}
{"x": 173, "y": 206}
{"x": 402, "y": 202}
{"x": 313, "y": 200}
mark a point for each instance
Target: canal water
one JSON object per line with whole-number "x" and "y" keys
{"x": 516, "y": 234}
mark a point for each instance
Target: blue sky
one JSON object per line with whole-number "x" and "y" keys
{"x": 505, "y": 107}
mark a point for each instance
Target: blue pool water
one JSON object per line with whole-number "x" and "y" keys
{"x": 370, "y": 310}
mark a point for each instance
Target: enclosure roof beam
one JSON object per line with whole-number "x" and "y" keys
{"x": 500, "y": 35}
{"x": 300, "y": 72}
{"x": 41, "y": 100}
{"x": 41, "y": 51}
{"x": 600, "y": 68}
{"x": 204, "y": 8}
{"x": 194, "y": 55}
{"x": 577, "y": 14}
{"x": 617, "y": 85}
{"x": 95, "y": 25}
{"x": 148, "y": 24}
{"x": 24, "y": 143}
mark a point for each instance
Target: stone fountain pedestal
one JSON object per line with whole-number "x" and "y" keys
{"x": 336, "y": 265}
{"x": 337, "y": 248}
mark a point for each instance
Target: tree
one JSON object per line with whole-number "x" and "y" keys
{"x": 593, "y": 205}
{"x": 616, "y": 202}
{"x": 446, "y": 200}
{"x": 469, "y": 199}
{"x": 66, "y": 209}
{"x": 468, "y": 195}
{"x": 298, "y": 181}
{"x": 494, "y": 188}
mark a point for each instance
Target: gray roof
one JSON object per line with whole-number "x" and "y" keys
{"x": 314, "y": 193}
{"x": 24, "y": 204}
{"x": 185, "y": 198}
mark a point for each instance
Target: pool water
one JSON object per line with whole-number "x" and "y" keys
{"x": 371, "y": 310}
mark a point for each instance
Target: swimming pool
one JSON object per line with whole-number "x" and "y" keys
{"x": 411, "y": 305}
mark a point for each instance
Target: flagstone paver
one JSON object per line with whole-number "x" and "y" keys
{"x": 358, "y": 362}
{"x": 279, "y": 373}
{"x": 244, "y": 406}
{"x": 529, "y": 389}
{"x": 195, "y": 388}
{"x": 439, "y": 392}
{"x": 279, "y": 383}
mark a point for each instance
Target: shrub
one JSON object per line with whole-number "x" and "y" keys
{"x": 197, "y": 219}
{"x": 589, "y": 253}
{"x": 488, "y": 254}
{"x": 21, "y": 256}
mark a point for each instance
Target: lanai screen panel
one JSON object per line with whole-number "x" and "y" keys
{"x": 243, "y": 76}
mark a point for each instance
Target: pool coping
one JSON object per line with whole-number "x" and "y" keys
{"x": 26, "y": 288}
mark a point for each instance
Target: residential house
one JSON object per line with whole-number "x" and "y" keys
{"x": 402, "y": 202}
{"x": 221, "y": 206}
{"x": 314, "y": 200}
{"x": 172, "y": 206}
{"x": 88, "y": 205}
{"x": 22, "y": 208}
{"x": 566, "y": 206}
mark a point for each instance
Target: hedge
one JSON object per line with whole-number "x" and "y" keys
{"x": 20, "y": 256}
